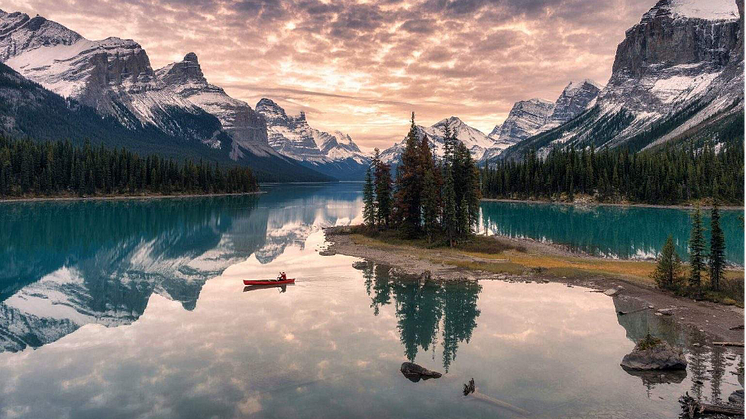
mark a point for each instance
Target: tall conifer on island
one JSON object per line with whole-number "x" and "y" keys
{"x": 717, "y": 249}
{"x": 430, "y": 192}
{"x": 409, "y": 185}
{"x": 450, "y": 214}
{"x": 696, "y": 252}
{"x": 383, "y": 192}
{"x": 369, "y": 204}
{"x": 668, "y": 270}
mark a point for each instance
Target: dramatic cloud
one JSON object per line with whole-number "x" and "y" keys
{"x": 362, "y": 66}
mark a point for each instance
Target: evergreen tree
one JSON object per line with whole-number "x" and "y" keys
{"x": 667, "y": 272}
{"x": 369, "y": 205}
{"x": 409, "y": 185}
{"x": 450, "y": 216}
{"x": 696, "y": 252}
{"x": 717, "y": 249}
{"x": 383, "y": 192}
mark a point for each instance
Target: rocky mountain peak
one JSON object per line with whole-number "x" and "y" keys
{"x": 272, "y": 112}
{"x": 525, "y": 118}
{"x": 692, "y": 9}
{"x": 183, "y": 72}
{"x": 573, "y": 100}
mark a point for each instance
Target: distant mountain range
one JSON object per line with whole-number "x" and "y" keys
{"x": 172, "y": 110}
{"x": 335, "y": 154}
{"x": 677, "y": 75}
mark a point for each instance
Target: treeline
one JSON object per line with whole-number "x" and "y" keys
{"x": 430, "y": 198}
{"x": 29, "y": 168}
{"x": 670, "y": 175}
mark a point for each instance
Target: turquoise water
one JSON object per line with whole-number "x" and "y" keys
{"x": 611, "y": 231}
{"x": 124, "y": 309}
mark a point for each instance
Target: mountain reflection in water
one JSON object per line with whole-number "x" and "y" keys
{"x": 66, "y": 264}
{"x": 190, "y": 343}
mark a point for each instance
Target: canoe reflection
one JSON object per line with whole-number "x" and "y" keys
{"x": 282, "y": 288}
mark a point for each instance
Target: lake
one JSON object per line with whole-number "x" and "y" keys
{"x": 135, "y": 308}
{"x": 610, "y": 231}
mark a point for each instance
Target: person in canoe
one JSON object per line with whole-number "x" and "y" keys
{"x": 282, "y": 276}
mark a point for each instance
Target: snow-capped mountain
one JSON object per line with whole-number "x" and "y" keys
{"x": 247, "y": 128}
{"x": 173, "y": 108}
{"x": 333, "y": 154}
{"x": 573, "y": 101}
{"x": 473, "y": 139}
{"x": 530, "y": 117}
{"x": 677, "y": 74}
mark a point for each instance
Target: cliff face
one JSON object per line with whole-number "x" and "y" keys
{"x": 245, "y": 126}
{"x": 664, "y": 36}
{"x": 677, "y": 73}
{"x": 742, "y": 11}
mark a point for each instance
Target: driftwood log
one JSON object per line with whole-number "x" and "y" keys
{"x": 693, "y": 408}
{"x": 470, "y": 388}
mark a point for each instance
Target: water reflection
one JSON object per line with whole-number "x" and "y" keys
{"x": 424, "y": 308}
{"x": 707, "y": 364}
{"x": 66, "y": 264}
{"x": 618, "y": 232}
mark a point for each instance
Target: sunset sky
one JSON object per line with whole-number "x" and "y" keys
{"x": 362, "y": 66}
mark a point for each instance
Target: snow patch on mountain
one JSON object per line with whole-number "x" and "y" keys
{"x": 334, "y": 154}
{"x": 695, "y": 9}
{"x": 247, "y": 129}
{"x": 476, "y": 141}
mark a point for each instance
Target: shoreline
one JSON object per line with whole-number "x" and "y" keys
{"x": 609, "y": 204}
{"x": 120, "y": 197}
{"x": 713, "y": 319}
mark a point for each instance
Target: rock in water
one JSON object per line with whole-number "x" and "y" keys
{"x": 415, "y": 372}
{"x": 654, "y": 354}
{"x": 736, "y": 397}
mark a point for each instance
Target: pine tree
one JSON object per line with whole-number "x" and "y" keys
{"x": 717, "y": 249}
{"x": 383, "y": 191}
{"x": 369, "y": 208}
{"x": 430, "y": 205}
{"x": 668, "y": 270}
{"x": 696, "y": 252}
{"x": 450, "y": 217}
{"x": 409, "y": 185}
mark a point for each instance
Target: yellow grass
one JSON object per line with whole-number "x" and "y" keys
{"x": 516, "y": 262}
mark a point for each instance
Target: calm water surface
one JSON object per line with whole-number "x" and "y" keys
{"x": 127, "y": 309}
{"x": 610, "y": 231}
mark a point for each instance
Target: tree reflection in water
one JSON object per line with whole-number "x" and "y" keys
{"x": 424, "y": 307}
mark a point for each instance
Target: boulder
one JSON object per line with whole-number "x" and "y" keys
{"x": 416, "y": 372}
{"x": 736, "y": 397}
{"x": 654, "y": 354}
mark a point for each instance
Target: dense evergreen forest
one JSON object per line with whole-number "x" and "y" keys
{"x": 435, "y": 199}
{"x": 30, "y": 169}
{"x": 667, "y": 175}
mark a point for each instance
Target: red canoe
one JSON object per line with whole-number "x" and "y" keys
{"x": 268, "y": 281}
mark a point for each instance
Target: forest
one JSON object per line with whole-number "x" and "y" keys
{"x": 33, "y": 169}
{"x": 431, "y": 198}
{"x": 667, "y": 175}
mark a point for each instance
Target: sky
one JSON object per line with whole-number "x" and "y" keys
{"x": 361, "y": 66}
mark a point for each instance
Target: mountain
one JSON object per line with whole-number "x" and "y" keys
{"x": 335, "y": 155}
{"x": 247, "y": 128}
{"x": 678, "y": 74}
{"x": 169, "y": 112}
{"x": 530, "y": 117}
{"x": 475, "y": 140}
